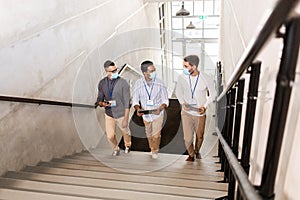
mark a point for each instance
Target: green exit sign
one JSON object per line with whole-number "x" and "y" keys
{"x": 202, "y": 17}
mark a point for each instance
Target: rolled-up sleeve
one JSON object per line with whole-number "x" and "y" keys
{"x": 100, "y": 92}
{"x": 179, "y": 90}
{"x": 126, "y": 94}
{"x": 136, "y": 94}
{"x": 211, "y": 90}
{"x": 164, "y": 95}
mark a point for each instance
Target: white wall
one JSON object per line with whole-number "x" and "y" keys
{"x": 47, "y": 51}
{"x": 240, "y": 22}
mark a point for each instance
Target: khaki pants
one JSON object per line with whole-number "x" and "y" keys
{"x": 193, "y": 124}
{"x": 153, "y": 133}
{"x": 110, "y": 127}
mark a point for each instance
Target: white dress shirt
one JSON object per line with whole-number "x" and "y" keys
{"x": 156, "y": 92}
{"x": 193, "y": 90}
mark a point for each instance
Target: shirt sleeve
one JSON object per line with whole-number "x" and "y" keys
{"x": 136, "y": 94}
{"x": 211, "y": 90}
{"x": 165, "y": 99}
{"x": 179, "y": 90}
{"x": 100, "y": 92}
{"x": 126, "y": 94}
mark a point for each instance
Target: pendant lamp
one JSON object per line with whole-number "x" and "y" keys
{"x": 182, "y": 11}
{"x": 190, "y": 26}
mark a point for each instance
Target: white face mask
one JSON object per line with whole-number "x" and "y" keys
{"x": 115, "y": 75}
{"x": 152, "y": 75}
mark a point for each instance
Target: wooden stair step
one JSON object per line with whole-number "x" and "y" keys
{"x": 13, "y": 194}
{"x": 131, "y": 178}
{"x": 144, "y": 156}
{"x": 146, "y": 166}
{"x": 114, "y": 184}
{"x": 85, "y": 191}
{"x": 198, "y": 164}
{"x": 167, "y": 157}
{"x": 202, "y": 177}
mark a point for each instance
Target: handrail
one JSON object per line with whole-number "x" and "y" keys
{"x": 44, "y": 101}
{"x": 50, "y": 102}
{"x": 240, "y": 175}
{"x": 278, "y": 16}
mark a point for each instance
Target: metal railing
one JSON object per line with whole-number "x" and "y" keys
{"x": 49, "y": 102}
{"x": 230, "y": 104}
{"x": 43, "y": 101}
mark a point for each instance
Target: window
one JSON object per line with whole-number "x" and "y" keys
{"x": 201, "y": 40}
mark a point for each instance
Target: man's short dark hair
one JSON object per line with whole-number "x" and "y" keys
{"x": 192, "y": 59}
{"x": 108, "y": 63}
{"x": 145, "y": 64}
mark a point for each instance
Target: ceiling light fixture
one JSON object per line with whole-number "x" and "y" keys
{"x": 182, "y": 11}
{"x": 190, "y": 26}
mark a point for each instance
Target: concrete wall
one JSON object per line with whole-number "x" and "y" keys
{"x": 47, "y": 51}
{"x": 240, "y": 23}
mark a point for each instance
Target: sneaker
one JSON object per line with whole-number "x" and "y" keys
{"x": 190, "y": 159}
{"x": 154, "y": 156}
{"x": 116, "y": 152}
{"x": 127, "y": 150}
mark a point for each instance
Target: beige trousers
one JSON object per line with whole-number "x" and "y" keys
{"x": 193, "y": 124}
{"x": 110, "y": 127}
{"x": 153, "y": 133}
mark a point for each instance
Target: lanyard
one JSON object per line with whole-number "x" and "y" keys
{"x": 110, "y": 89}
{"x": 149, "y": 94}
{"x": 193, "y": 91}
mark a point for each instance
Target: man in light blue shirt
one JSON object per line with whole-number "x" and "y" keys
{"x": 150, "y": 98}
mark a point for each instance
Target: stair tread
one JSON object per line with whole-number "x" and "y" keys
{"x": 141, "y": 162}
{"x": 198, "y": 164}
{"x": 128, "y": 176}
{"x": 85, "y": 191}
{"x": 13, "y": 194}
{"x": 142, "y": 156}
{"x": 134, "y": 178}
{"x": 115, "y": 184}
{"x": 142, "y": 167}
{"x": 217, "y": 176}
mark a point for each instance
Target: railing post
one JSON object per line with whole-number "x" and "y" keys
{"x": 219, "y": 89}
{"x": 235, "y": 141}
{"x": 285, "y": 77}
{"x": 224, "y": 165}
{"x": 231, "y": 116}
{"x": 254, "y": 71}
{"x": 221, "y": 117}
{"x": 238, "y": 116}
{"x": 231, "y": 180}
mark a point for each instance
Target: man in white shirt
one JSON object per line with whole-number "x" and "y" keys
{"x": 191, "y": 91}
{"x": 150, "y": 98}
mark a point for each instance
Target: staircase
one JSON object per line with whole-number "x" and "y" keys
{"x": 98, "y": 175}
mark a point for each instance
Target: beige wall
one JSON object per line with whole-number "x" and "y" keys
{"x": 47, "y": 50}
{"x": 241, "y": 20}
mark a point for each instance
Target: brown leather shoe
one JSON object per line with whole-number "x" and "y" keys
{"x": 198, "y": 156}
{"x": 190, "y": 159}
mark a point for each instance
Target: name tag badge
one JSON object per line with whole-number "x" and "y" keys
{"x": 150, "y": 103}
{"x": 193, "y": 102}
{"x": 113, "y": 103}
